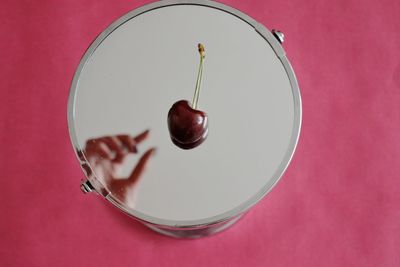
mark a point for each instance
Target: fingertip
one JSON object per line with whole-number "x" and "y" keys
{"x": 142, "y": 136}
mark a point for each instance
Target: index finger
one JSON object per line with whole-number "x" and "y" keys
{"x": 141, "y": 137}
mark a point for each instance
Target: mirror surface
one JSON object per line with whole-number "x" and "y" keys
{"x": 147, "y": 64}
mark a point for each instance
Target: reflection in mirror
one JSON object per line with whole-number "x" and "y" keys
{"x": 135, "y": 72}
{"x": 107, "y": 155}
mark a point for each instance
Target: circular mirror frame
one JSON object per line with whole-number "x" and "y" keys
{"x": 222, "y": 221}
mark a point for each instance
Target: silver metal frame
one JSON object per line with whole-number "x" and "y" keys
{"x": 157, "y": 223}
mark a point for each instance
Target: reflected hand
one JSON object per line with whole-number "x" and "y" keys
{"x": 107, "y": 153}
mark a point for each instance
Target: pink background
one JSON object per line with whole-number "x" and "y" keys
{"x": 337, "y": 205}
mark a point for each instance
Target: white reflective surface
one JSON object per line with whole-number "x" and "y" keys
{"x": 131, "y": 80}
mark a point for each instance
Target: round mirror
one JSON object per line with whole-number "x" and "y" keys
{"x": 148, "y": 60}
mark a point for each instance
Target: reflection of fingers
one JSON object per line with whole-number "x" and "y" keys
{"x": 115, "y": 146}
{"x": 139, "y": 168}
{"x": 141, "y": 137}
{"x": 128, "y": 142}
{"x": 102, "y": 151}
{"x": 90, "y": 142}
{"x": 122, "y": 150}
{"x": 111, "y": 143}
{"x": 91, "y": 151}
{"x": 102, "y": 148}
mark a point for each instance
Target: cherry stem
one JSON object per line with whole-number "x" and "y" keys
{"x": 199, "y": 76}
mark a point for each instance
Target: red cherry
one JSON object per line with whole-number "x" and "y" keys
{"x": 188, "y": 127}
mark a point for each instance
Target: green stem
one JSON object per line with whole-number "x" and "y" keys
{"x": 199, "y": 77}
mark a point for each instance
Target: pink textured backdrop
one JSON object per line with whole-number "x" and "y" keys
{"x": 337, "y": 205}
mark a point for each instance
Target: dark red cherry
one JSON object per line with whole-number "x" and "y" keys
{"x": 188, "y": 127}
